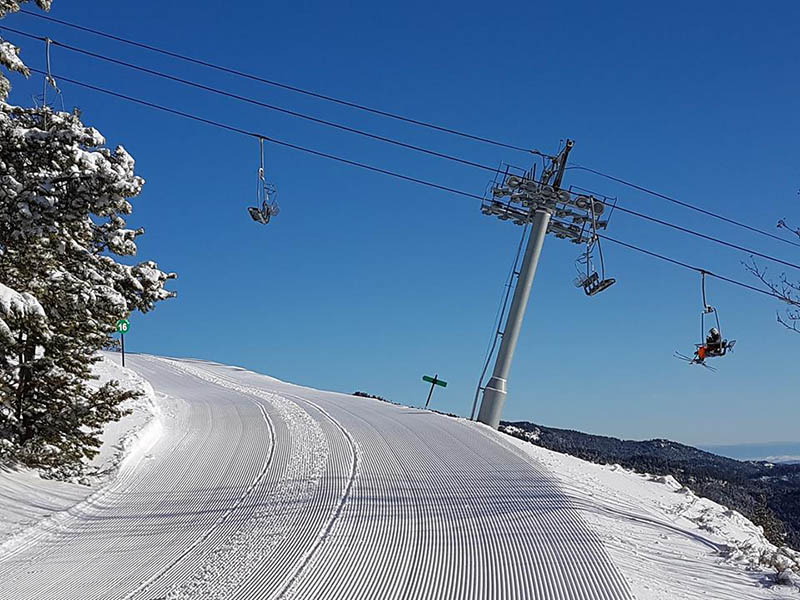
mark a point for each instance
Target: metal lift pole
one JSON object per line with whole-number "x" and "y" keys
{"x": 494, "y": 395}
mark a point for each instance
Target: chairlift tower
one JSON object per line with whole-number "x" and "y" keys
{"x": 550, "y": 209}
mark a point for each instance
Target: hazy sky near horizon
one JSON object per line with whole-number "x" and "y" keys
{"x": 774, "y": 451}
{"x": 367, "y": 283}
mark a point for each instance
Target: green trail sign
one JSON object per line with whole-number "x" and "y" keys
{"x": 434, "y": 381}
{"x": 123, "y": 326}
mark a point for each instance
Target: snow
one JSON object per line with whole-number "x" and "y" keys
{"x": 26, "y": 498}
{"x": 14, "y": 305}
{"x": 9, "y": 57}
{"x": 668, "y": 542}
{"x": 532, "y": 436}
{"x": 229, "y": 484}
{"x": 126, "y": 439}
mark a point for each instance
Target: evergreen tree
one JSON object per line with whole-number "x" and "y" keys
{"x": 9, "y": 54}
{"x": 63, "y": 202}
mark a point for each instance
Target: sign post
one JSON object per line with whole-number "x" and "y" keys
{"x": 123, "y": 325}
{"x": 434, "y": 381}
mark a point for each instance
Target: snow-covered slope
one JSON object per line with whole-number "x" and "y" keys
{"x": 668, "y": 542}
{"x": 26, "y": 498}
{"x": 243, "y": 486}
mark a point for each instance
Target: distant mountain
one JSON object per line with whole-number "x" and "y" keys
{"x": 776, "y": 452}
{"x": 768, "y": 493}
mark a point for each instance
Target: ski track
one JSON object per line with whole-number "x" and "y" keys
{"x": 263, "y": 489}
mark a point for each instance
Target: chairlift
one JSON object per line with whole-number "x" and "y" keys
{"x": 592, "y": 281}
{"x": 41, "y": 100}
{"x": 267, "y": 206}
{"x": 712, "y": 344}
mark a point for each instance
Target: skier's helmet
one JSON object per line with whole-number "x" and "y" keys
{"x": 714, "y": 332}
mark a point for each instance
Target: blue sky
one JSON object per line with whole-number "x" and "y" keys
{"x": 367, "y": 283}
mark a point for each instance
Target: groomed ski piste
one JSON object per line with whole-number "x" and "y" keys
{"x": 225, "y": 483}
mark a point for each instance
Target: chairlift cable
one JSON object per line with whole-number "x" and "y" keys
{"x": 697, "y": 233}
{"x": 278, "y": 142}
{"x": 258, "y": 103}
{"x": 48, "y": 41}
{"x": 388, "y": 114}
{"x": 697, "y": 269}
{"x": 380, "y": 170}
{"x": 288, "y": 87}
{"x": 685, "y": 204}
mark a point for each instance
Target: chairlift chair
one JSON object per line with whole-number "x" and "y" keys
{"x": 267, "y": 194}
{"x": 260, "y": 215}
{"x": 269, "y": 205}
{"x": 708, "y": 349}
{"x": 592, "y": 282}
{"x": 713, "y": 349}
{"x": 594, "y": 285}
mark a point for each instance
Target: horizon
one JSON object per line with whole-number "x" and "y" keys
{"x": 738, "y": 450}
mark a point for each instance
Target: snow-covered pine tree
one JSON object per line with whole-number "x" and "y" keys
{"x": 63, "y": 203}
{"x": 9, "y": 54}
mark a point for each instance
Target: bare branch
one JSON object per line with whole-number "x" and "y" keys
{"x": 793, "y": 322}
{"x": 785, "y": 290}
{"x": 789, "y": 284}
{"x": 782, "y": 288}
{"x": 782, "y": 225}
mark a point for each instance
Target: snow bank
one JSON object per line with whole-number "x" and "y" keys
{"x": 660, "y": 533}
{"x": 26, "y": 498}
{"x": 123, "y": 439}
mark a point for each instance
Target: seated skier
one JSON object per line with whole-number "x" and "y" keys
{"x": 714, "y": 345}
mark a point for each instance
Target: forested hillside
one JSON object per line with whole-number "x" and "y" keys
{"x": 766, "y": 493}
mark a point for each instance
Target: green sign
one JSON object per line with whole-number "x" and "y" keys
{"x": 434, "y": 381}
{"x": 123, "y": 325}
